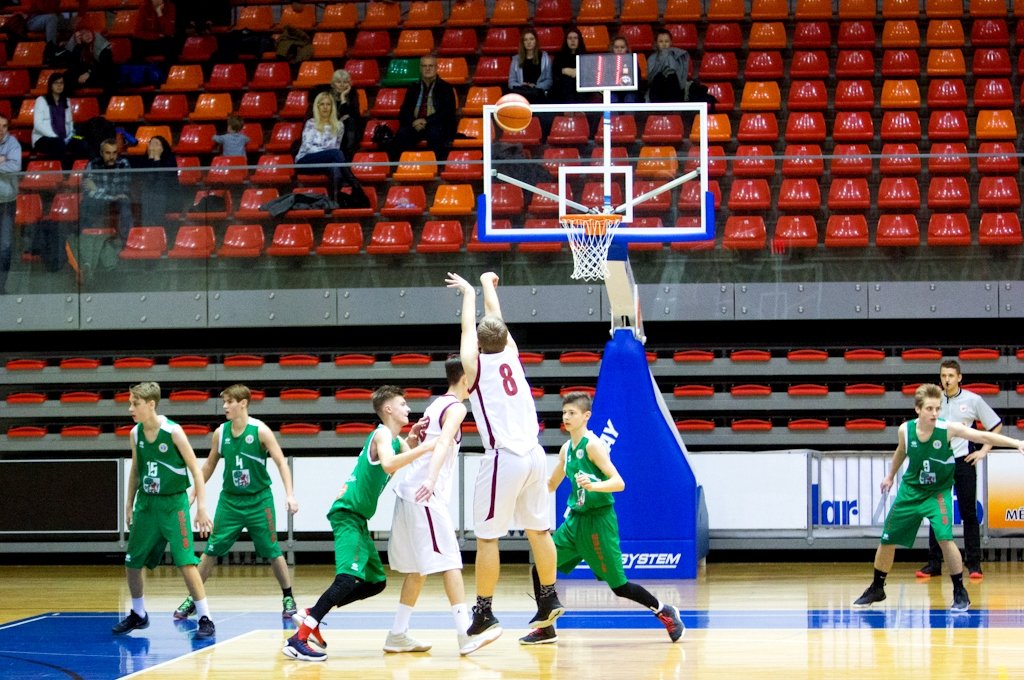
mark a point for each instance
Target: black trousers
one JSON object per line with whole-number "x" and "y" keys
{"x": 965, "y": 481}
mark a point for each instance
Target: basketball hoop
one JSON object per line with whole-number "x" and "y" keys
{"x": 589, "y": 238}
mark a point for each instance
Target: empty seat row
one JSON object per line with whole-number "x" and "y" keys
{"x": 892, "y": 230}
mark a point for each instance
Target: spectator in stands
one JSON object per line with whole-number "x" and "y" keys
{"x": 45, "y": 16}
{"x": 321, "y": 145}
{"x": 233, "y": 142}
{"x": 563, "y": 89}
{"x": 161, "y": 185}
{"x": 106, "y": 188}
{"x": 621, "y": 46}
{"x": 91, "y": 63}
{"x": 529, "y": 74}
{"x": 154, "y": 36}
{"x": 346, "y": 106}
{"x": 427, "y": 114}
{"x": 52, "y": 125}
{"x": 668, "y": 71}
{"x": 10, "y": 166}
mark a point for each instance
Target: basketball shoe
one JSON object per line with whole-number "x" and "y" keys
{"x": 403, "y": 642}
{"x": 871, "y": 595}
{"x": 548, "y": 609}
{"x": 131, "y": 622}
{"x": 315, "y": 638}
{"x": 669, "y": 617}
{"x": 484, "y": 630}
{"x": 206, "y": 628}
{"x": 185, "y": 609}
{"x": 540, "y": 636}
{"x": 929, "y": 570}
{"x": 288, "y": 607}
{"x": 295, "y": 648}
{"x": 961, "y": 601}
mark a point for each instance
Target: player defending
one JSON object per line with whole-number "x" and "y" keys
{"x": 359, "y": 573}
{"x": 925, "y": 490}
{"x": 246, "y": 501}
{"x": 591, "y": 530}
{"x": 423, "y": 537}
{"x": 515, "y": 489}
{"x": 157, "y": 512}
{"x": 962, "y": 406}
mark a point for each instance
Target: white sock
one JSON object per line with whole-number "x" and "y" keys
{"x": 202, "y": 608}
{"x": 660, "y": 606}
{"x": 461, "y": 616}
{"x": 310, "y": 622}
{"x": 402, "y": 617}
{"x": 139, "y": 606}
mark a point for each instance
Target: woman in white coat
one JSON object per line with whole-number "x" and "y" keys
{"x": 52, "y": 123}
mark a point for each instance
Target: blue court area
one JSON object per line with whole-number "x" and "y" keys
{"x": 80, "y": 645}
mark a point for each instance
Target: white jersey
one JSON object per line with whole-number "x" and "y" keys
{"x": 417, "y": 471}
{"x": 966, "y": 408}
{"x": 502, "y": 403}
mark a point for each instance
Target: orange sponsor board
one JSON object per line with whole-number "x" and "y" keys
{"x": 1006, "y": 492}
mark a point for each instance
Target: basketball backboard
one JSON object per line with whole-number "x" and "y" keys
{"x": 647, "y": 162}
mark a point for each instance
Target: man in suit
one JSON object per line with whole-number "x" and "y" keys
{"x": 427, "y": 114}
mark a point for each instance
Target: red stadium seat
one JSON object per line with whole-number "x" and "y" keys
{"x": 854, "y": 95}
{"x": 949, "y": 193}
{"x": 242, "y": 240}
{"x": 899, "y": 193}
{"x": 404, "y": 201}
{"x": 853, "y": 126}
{"x": 390, "y": 238}
{"x": 341, "y": 238}
{"x": 810, "y": 64}
{"x": 999, "y": 229}
{"x": 750, "y": 195}
{"x": 899, "y": 159}
{"x": 744, "y": 233}
{"x": 291, "y": 240}
{"x": 949, "y": 158}
{"x": 271, "y": 75}
{"x": 806, "y": 127}
{"x": 846, "y": 231}
{"x": 854, "y": 34}
{"x": 807, "y": 95}
{"x": 800, "y": 194}
{"x": 440, "y": 236}
{"x": 803, "y": 160}
{"x": 144, "y": 243}
{"x": 992, "y": 62}
{"x": 193, "y": 242}
{"x": 196, "y": 138}
{"x": 849, "y": 194}
{"x": 947, "y": 93}
{"x": 998, "y": 193}
{"x": 901, "y": 126}
{"x": 901, "y": 64}
{"x": 851, "y": 160}
{"x": 898, "y": 231}
{"x": 949, "y": 229}
{"x": 997, "y": 158}
{"x": 250, "y": 205}
{"x": 795, "y": 231}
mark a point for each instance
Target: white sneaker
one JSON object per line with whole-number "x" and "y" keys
{"x": 470, "y": 643}
{"x": 402, "y": 642}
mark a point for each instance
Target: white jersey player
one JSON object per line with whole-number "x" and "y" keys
{"x": 423, "y": 539}
{"x": 511, "y": 485}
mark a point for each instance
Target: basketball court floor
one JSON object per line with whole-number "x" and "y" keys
{"x": 743, "y": 621}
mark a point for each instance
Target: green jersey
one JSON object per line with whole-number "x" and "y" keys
{"x": 576, "y": 460}
{"x": 931, "y": 461}
{"x": 366, "y": 483}
{"x": 160, "y": 467}
{"x": 245, "y": 459}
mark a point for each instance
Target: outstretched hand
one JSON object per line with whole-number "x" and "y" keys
{"x": 456, "y": 281}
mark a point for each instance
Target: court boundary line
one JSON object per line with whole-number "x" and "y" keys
{"x": 193, "y": 653}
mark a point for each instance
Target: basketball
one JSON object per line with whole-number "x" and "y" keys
{"x": 513, "y": 113}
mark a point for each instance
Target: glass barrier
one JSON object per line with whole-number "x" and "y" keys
{"x": 780, "y": 218}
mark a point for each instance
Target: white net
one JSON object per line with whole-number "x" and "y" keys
{"x": 589, "y": 238}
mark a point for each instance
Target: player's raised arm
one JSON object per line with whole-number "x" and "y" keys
{"x": 489, "y": 287}
{"x": 269, "y": 442}
{"x": 989, "y": 439}
{"x": 203, "y": 522}
{"x": 599, "y": 455}
{"x": 469, "y": 347}
{"x": 391, "y": 462}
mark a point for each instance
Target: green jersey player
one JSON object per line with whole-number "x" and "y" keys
{"x": 591, "y": 530}
{"x": 157, "y": 511}
{"x": 246, "y": 501}
{"x": 925, "y": 490}
{"x": 359, "y": 572}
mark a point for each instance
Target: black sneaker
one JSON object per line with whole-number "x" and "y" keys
{"x": 974, "y": 572}
{"x": 929, "y": 570}
{"x": 548, "y": 609}
{"x": 131, "y": 622}
{"x": 961, "y": 601}
{"x": 540, "y": 636}
{"x": 870, "y": 596}
{"x": 206, "y": 628}
{"x": 669, "y": 617}
{"x": 483, "y": 620}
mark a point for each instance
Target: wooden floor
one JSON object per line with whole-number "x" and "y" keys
{"x": 744, "y": 621}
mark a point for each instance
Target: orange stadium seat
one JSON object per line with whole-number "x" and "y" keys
{"x": 768, "y": 35}
{"x": 212, "y": 107}
{"x": 339, "y": 16}
{"x": 183, "y": 78}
